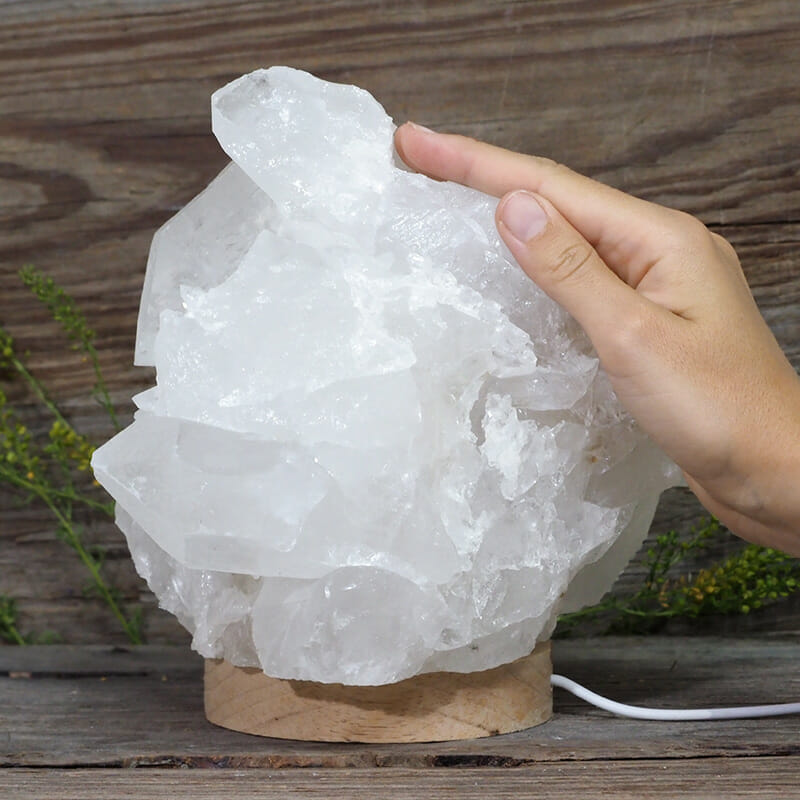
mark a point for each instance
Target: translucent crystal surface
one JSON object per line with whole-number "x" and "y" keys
{"x": 375, "y": 448}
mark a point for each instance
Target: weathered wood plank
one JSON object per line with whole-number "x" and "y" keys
{"x": 686, "y": 102}
{"x": 114, "y": 709}
{"x": 99, "y": 661}
{"x": 724, "y": 778}
{"x": 104, "y": 133}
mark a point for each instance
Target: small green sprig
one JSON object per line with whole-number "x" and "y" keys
{"x": 27, "y": 466}
{"x": 27, "y": 470}
{"x": 744, "y": 582}
{"x": 747, "y": 580}
{"x": 9, "y": 626}
{"x": 57, "y": 472}
{"x": 17, "y": 456}
{"x": 64, "y": 311}
{"x": 8, "y": 621}
{"x": 10, "y": 361}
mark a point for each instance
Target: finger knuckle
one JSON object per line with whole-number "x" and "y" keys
{"x": 548, "y": 163}
{"x": 691, "y": 234}
{"x": 634, "y": 331}
{"x": 724, "y": 246}
{"x": 689, "y": 228}
{"x": 570, "y": 262}
{"x": 550, "y": 171}
{"x": 466, "y": 173}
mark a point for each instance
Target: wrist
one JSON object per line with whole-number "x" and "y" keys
{"x": 759, "y": 497}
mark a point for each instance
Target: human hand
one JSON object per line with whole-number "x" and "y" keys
{"x": 668, "y": 309}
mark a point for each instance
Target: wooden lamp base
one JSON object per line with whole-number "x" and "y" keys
{"x": 434, "y": 707}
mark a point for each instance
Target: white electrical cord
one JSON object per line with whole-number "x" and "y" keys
{"x": 674, "y": 714}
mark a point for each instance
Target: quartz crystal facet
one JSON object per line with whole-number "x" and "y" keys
{"x": 375, "y": 447}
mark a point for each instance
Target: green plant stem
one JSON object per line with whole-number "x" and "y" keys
{"x": 8, "y": 630}
{"x": 49, "y": 472}
{"x": 8, "y": 618}
{"x": 74, "y": 541}
{"x": 618, "y": 606}
{"x": 63, "y": 309}
{"x": 96, "y": 505}
{"x": 646, "y": 614}
{"x": 12, "y": 631}
{"x": 100, "y": 386}
{"x": 37, "y": 389}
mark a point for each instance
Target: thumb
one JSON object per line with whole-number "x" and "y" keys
{"x": 566, "y": 266}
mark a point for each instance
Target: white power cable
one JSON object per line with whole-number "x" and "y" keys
{"x": 674, "y": 714}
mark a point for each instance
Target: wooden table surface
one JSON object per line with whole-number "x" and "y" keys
{"x": 109, "y": 722}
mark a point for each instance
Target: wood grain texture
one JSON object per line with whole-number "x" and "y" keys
{"x": 710, "y": 779}
{"x": 434, "y": 707}
{"x": 105, "y": 133}
{"x": 110, "y": 707}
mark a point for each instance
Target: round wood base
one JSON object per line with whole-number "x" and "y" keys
{"x": 434, "y": 707}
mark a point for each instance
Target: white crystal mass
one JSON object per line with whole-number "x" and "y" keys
{"x": 375, "y": 447}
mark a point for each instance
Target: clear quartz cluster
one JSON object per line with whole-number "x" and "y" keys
{"x": 375, "y": 447}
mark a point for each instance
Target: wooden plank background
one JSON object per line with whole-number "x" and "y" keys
{"x": 105, "y": 133}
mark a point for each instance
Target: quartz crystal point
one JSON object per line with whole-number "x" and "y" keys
{"x": 375, "y": 447}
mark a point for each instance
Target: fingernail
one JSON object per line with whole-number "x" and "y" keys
{"x": 420, "y": 128}
{"x": 523, "y": 216}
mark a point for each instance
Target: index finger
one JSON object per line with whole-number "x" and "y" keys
{"x": 604, "y": 215}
